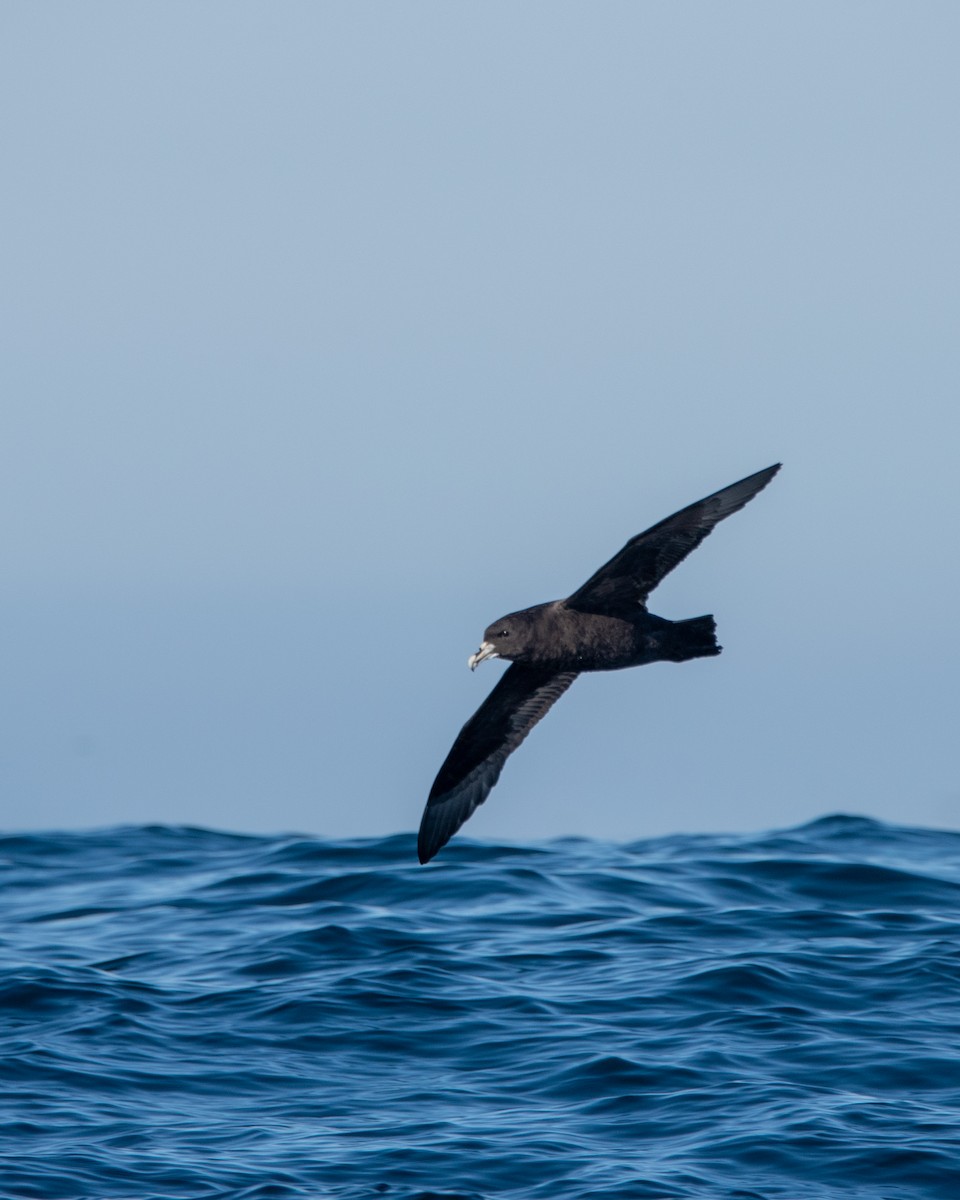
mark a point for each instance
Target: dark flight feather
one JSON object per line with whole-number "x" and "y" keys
{"x": 630, "y": 576}
{"x": 473, "y": 766}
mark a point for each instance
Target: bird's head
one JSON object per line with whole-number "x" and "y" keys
{"x": 507, "y": 638}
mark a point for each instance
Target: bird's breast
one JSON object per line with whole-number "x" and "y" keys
{"x": 579, "y": 641}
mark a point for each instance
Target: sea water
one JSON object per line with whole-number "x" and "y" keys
{"x": 187, "y": 1013}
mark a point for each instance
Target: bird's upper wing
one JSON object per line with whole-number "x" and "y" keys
{"x": 630, "y": 576}
{"x": 483, "y": 745}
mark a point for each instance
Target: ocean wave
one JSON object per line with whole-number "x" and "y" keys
{"x": 187, "y": 1013}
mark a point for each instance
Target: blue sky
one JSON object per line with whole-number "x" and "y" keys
{"x": 333, "y": 331}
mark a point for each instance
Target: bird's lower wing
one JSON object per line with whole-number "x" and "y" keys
{"x": 630, "y": 576}
{"x": 483, "y": 745}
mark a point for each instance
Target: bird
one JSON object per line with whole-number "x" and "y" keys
{"x": 603, "y": 626}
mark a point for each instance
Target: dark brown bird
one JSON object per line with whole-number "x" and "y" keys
{"x": 603, "y": 626}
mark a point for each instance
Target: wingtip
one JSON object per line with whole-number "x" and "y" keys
{"x": 424, "y": 851}
{"x": 754, "y": 483}
{"x": 431, "y": 838}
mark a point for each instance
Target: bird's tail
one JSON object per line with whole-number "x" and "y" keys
{"x": 695, "y": 638}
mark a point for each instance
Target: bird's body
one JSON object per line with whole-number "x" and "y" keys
{"x": 569, "y": 640}
{"x": 603, "y": 626}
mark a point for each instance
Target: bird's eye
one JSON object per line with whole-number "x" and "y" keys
{"x": 504, "y": 633}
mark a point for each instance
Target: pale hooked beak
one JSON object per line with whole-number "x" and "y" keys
{"x": 487, "y": 650}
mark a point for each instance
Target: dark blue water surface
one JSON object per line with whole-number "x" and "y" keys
{"x": 196, "y": 1014}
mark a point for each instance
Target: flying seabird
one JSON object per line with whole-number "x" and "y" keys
{"x": 603, "y": 626}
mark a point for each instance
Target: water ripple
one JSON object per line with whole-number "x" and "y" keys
{"x": 186, "y": 1013}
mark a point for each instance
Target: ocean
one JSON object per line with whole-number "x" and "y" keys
{"x": 190, "y": 1013}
